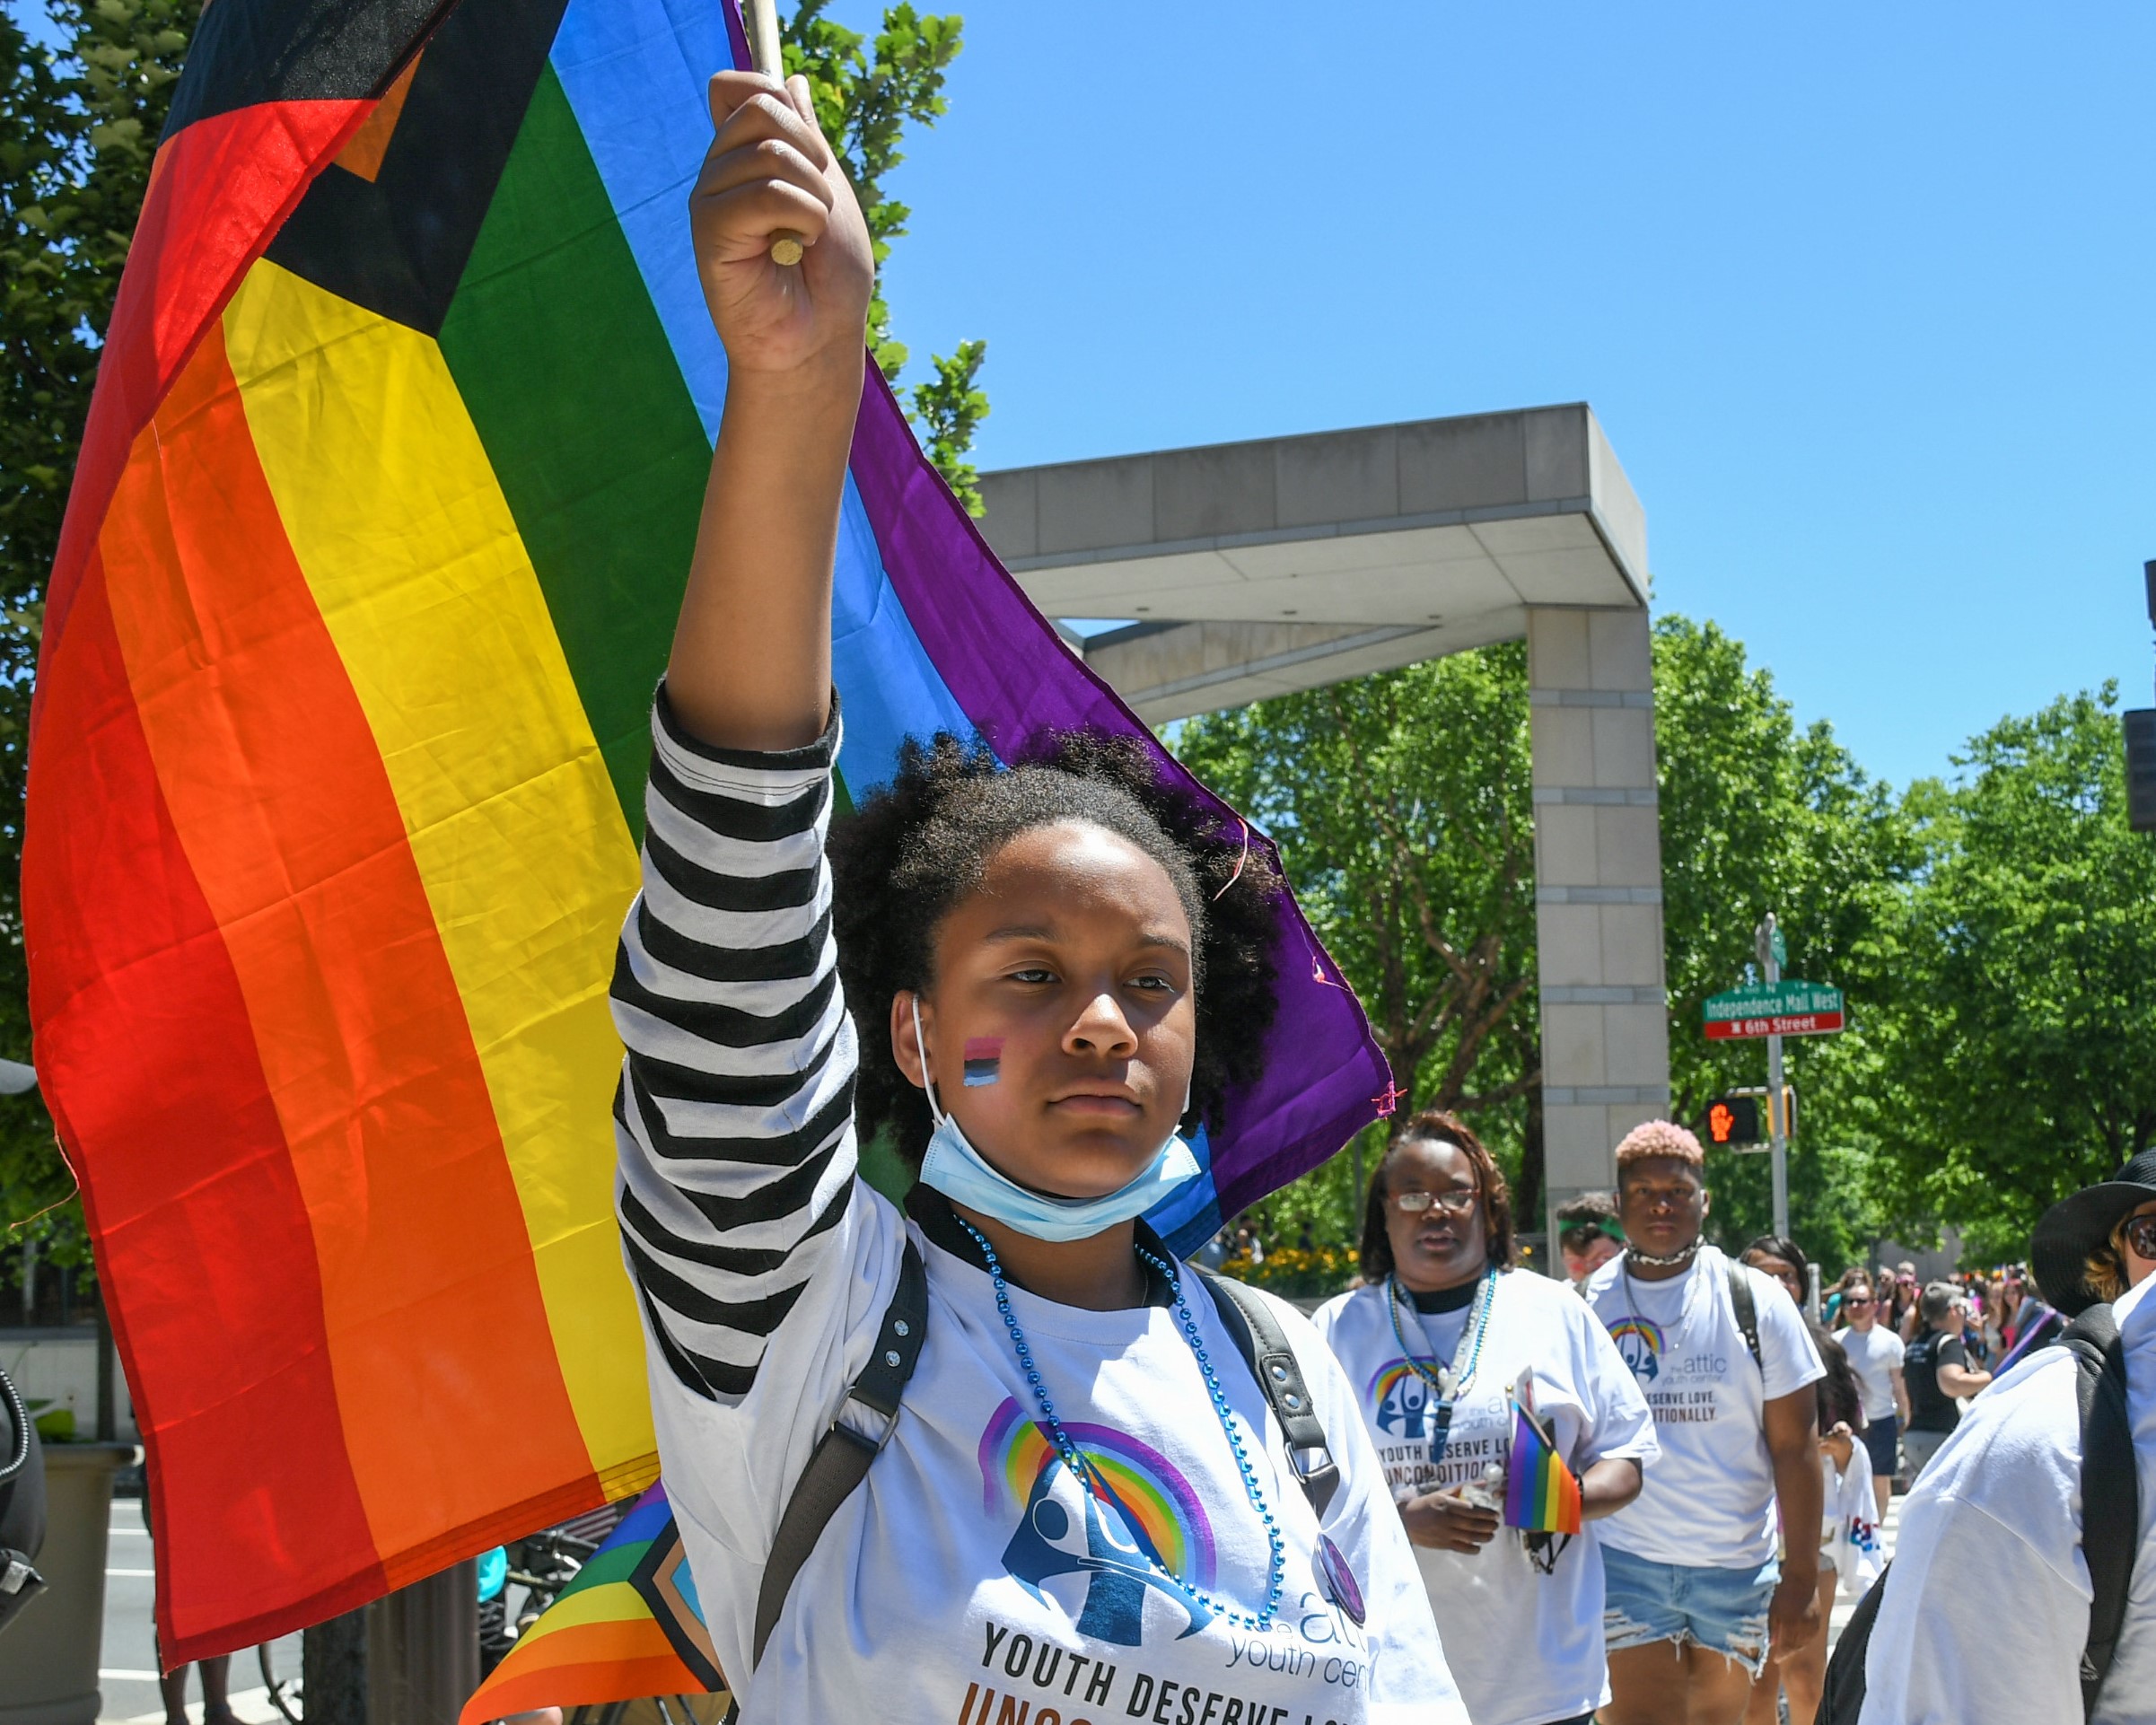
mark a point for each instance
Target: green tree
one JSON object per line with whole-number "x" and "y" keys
{"x": 1400, "y": 803}
{"x": 866, "y": 94}
{"x": 2029, "y": 1043}
{"x": 1760, "y": 814}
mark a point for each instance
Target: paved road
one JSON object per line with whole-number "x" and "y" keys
{"x": 128, "y": 1663}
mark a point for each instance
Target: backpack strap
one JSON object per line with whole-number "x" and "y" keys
{"x": 840, "y": 1460}
{"x": 1264, "y": 1347}
{"x": 2110, "y": 1487}
{"x": 1842, "y": 1696}
{"x": 1748, "y": 1311}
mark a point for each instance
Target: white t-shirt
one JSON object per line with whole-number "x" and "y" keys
{"x": 1986, "y": 1610}
{"x": 1709, "y": 1501}
{"x": 1483, "y": 1601}
{"x": 970, "y": 1556}
{"x": 972, "y": 1577}
{"x": 1874, "y": 1355}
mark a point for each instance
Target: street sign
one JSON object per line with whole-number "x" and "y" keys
{"x": 1787, "y": 1008}
{"x": 1767, "y": 941}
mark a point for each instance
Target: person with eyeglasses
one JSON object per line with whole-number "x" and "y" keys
{"x": 1901, "y": 1295}
{"x": 2004, "y": 1499}
{"x": 1439, "y": 1341}
{"x": 1876, "y": 1355}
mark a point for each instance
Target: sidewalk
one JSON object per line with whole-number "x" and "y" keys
{"x": 128, "y": 1660}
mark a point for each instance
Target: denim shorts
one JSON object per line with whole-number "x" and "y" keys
{"x": 1879, "y": 1439}
{"x": 1722, "y": 1610}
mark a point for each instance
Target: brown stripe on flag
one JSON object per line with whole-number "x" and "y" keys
{"x": 363, "y": 156}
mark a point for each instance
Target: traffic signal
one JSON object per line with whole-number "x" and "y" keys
{"x": 1733, "y": 1122}
{"x": 2140, "y": 769}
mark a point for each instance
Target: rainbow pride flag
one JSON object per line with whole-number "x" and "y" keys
{"x": 1541, "y": 1492}
{"x": 380, "y": 524}
{"x": 628, "y": 1626}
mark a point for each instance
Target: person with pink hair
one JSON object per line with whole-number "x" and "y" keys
{"x": 1697, "y": 1597}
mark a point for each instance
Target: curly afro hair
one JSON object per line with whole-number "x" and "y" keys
{"x": 918, "y": 845}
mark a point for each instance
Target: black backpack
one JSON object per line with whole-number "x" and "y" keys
{"x": 2110, "y": 1523}
{"x": 21, "y": 1503}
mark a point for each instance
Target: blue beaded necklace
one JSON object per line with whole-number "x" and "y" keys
{"x": 1083, "y": 1469}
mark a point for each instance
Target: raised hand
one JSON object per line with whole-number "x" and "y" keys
{"x": 769, "y": 172}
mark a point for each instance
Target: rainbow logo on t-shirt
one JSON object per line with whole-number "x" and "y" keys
{"x": 1639, "y": 1341}
{"x": 1144, "y": 1525}
{"x": 1398, "y": 1395}
{"x": 1141, "y": 1482}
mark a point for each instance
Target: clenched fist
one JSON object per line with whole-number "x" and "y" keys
{"x": 769, "y": 172}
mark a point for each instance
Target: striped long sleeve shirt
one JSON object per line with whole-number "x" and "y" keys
{"x": 734, "y": 1118}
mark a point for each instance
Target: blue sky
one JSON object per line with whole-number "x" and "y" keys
{"x": 1865, "y": 297}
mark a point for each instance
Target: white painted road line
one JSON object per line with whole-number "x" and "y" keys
{"x": 144, "y": 1573}
{"x": 249, "y": 1704}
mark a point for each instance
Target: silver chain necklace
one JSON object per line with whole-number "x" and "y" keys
{"x": 1632, "y": 1305}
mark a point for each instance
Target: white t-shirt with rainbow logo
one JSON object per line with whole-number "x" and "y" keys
{"x": 1525, "y": 1646}
{"x": 1709, "y": 1501}
{"x": 974, "y": 1578}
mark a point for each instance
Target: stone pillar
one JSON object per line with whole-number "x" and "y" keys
{"x": 1597, "y": 891}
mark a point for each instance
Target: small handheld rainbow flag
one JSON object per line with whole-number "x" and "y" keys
{"x": 1541, "y": 1492}
{"x": 628, "y": 1626}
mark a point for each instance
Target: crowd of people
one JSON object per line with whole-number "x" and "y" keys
{"x": 1709, "y": 1611}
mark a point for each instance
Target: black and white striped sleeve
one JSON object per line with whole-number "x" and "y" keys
{"x": 734, "y": 1118}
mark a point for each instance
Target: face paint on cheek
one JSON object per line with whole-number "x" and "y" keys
{"x": 984, "y": 1060}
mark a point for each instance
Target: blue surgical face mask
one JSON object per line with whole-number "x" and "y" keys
{"x": 960, "y": 1173}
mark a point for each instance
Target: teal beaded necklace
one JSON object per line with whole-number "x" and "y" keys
{"x": 1083, "y": 1469}
{"x": 1444, "y": 1380}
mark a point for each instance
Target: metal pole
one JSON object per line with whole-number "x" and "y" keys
{"x": 108, "y": 1412}
{"x": 333, "y": 1669}
{"x": 423, "y": 1649}
{"x": 1777, "y": 1125}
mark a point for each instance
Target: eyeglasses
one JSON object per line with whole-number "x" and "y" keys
{"x": 2141, "y": 1235}
{"x": 1850, "y": 1302}
{"x": 1453, "y": 1203}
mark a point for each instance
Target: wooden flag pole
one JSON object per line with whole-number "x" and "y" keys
{"x": 771, "y": 61}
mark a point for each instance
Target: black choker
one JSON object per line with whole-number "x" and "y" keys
{"x": 1649, "y": 1258}
{"x": 1445, "y": 1299}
